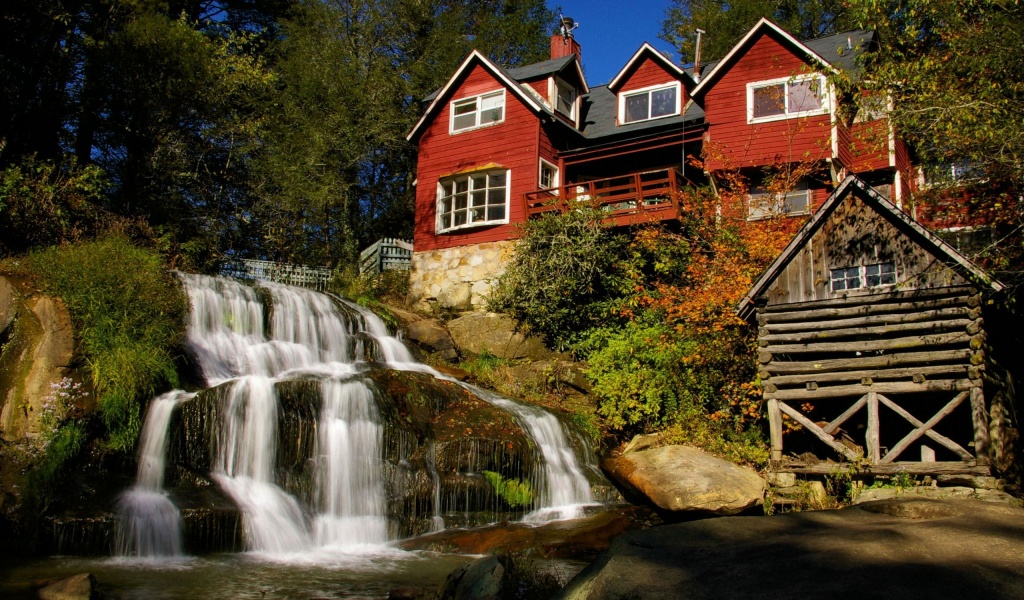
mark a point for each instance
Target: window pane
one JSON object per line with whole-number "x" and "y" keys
{"x": 461, "y": 185}
{"x": 460, "y": 201}
{"x": 464, "y": 121}
{"x": 804, "y": 95}
{"x": 496, "y": 196}
{"x": 464, "y": 108}
{"x": 795, "y": 203}
{"x": 887, "y": 275}
{"x": 479, "y": 182}
{"x": 496, "y": 213}
{"x": 479, "y": 197}
{"x": 497, "y": 180}
{"x": 446, "y": 221}
{"x": 564, "y": 103}
{"x": 460, "y": 218}
{"x": 769, "y": 101}
{"x": 636, "y": 107}
{"x": 663, "y": 102}
{"x": 492, "y": 109}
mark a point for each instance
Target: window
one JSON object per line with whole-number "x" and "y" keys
{"x": 764, "y": 205}
{"x": 478, "y": 111}
{"x": 472, "y": 200}
{"x": 565, "y": 100}
{"x": 948, "y": 174}
{"x": 786, "y": 98}
{"x": 651, "y": 103}
{"x": 548, "y": 175}
{"x": 869, "y": 276}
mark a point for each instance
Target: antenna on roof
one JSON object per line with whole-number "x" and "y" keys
{"x": 567, "y": 26}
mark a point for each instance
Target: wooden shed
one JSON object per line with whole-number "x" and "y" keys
{"x": 871, "y": 339}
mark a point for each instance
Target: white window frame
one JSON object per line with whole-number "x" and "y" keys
{"x": 650, "y": 90}
{"x": 469, "y": 177}
{"x": 477, "y": 99}
{"x": 555, "y": 180}
{"x": 825, "y": 98}
{"x": 862, "y": 275}
{"x": 558, "y": 85}
{"x": 773, "y": 207}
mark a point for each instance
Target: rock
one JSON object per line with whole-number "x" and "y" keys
{"x": 644, "y": 441}
{"x": 936, "y": 493}
{"x": 405, "y": 593}
{"x": 76, "y": 587}
{"x": 8, "y": 305}
{"x": 684, "y": 479}
{"x": 433, "y": 337}
{"x": 477, "y": 333}
{"x": 478, "y": 580}
{"x": 563, "y": 376}
{"x": 405, "y": 317}
{"x": 916, "y": 550}
{"x": 457, "y": 296}
{"x": 782, "y": 480}
{"x": 980, "y": 482}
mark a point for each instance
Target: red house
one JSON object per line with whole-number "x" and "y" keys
{"x": 498, "y": 146}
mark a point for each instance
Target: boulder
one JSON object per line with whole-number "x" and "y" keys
{"x": 477, "y": 333}
{"x": 457, "y": 296}
{"x": 936, "y": 493}
{"x": 76, "y": 587}
{"x": 917, "y": 549}
{"x": 685, "y": 479}
{"x": 433, "y": 337}
{"x": 479, "y": 580}
{"x": 563, "y": 376}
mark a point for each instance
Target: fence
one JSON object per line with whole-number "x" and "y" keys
{"x": 387, "y": 254}
{"x": 264, "y": 270}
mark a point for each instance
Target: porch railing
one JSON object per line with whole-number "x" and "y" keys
{"x": 386, "y": 254}
{"x": 635, "y": 197}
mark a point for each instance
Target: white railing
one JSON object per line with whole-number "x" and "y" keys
{"x": 264, "y": 270}
{"x": 387, "y": 254}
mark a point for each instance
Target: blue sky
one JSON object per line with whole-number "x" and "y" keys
{"x": 610, "y": 32}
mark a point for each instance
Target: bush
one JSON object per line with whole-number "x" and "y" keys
{"x": 129, "y": 314}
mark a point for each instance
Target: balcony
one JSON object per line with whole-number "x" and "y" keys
{"x": 626, "y": 199}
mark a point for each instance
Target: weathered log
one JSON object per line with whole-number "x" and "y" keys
{"x": 877, "y": 330}
{"x": 902, "y": 343}
{"x": 911, "y": 468}
{"x": 979, "y": 418}
{"x": 926, "y": 371}
{"x": 958, "y": 312}
{"x": 838, "y": 421}
{"x": 775, "y": 426}
{"x": 817, "y": 431}
{"x": 872, "y": 438}
{"x": 926, "y": 428}
{"x": 862, "y": 362}
{"x": 846, "y": 391}
{"x": 932, "y": 298}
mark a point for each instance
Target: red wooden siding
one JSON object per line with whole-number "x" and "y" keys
{"x": 747, "y": 145}
{"x": 646, "y": 74}
{"x": 512, "y": 144}
{"x": 541, "y": 87}
{"x": 868, "y": 146}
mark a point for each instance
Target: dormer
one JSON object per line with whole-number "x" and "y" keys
{"x": 558, "y": 82}
{"x": 650, "y": 87}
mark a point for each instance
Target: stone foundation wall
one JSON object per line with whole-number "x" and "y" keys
{"x": 457, "y": 278}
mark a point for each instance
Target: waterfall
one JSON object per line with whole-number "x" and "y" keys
{"x": 149, "y": 523}
{"x": 248, "y": 340}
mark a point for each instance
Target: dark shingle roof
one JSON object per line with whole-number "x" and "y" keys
{"x": 541, "y": 69}
{"x": 842, "y": 49}
{"x": 601, "y": 107}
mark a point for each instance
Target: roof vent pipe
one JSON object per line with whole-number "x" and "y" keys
{"x": 696, "y": 57}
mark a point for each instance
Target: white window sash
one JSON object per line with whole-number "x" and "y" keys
{"x": 469, "y": 178}
{"x": 823, "y": 90}
{"x": 649, "y": 92}
{"x": 482, "y": 103}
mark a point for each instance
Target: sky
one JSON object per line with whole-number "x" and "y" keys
{"x": 611, "y": 31}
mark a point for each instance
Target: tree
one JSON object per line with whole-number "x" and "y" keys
{"x": 726, "y": 22}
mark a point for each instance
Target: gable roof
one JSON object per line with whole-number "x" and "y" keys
{"x": 853, "y": 185}
{"x": 647, "y": 50}
{"x": 601, "y": 109}
{"x": 826, "y": 51}
{"x": 552, "y": 66}
{"x": 475, "y": 58}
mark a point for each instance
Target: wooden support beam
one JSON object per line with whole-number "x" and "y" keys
{"x": 884, "y": 387}
{"x": 979, "y": 417}
{"x": 956, "y": 312}
{"x": 903, "y": 343}
{"x": 874, "y": 330}
{"x": 818, "y": 432}
{"x": 961, "y": 370}
{"x": 775, "y": 427}
{"x": 864, "y": 305}
{"x": 912, "y": 468}
{"x": 872, "y": 436}
{"x": 838, "y": 421}
{"x": 866, "y": 362}
{"x": 925, "y": 428}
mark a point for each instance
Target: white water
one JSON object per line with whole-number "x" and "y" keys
{"x": 149, "y": 523}
{"x": 308, "y": 334}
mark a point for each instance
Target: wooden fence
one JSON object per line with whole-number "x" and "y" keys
{"x": 387, "y": 254}
{"x": 264, "y": 270}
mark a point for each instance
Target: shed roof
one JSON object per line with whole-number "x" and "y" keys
{"x": 854, "y": 186}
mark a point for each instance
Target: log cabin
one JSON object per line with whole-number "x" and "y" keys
{"x": 498, "y": 146}
{"x": 872, "y": 343}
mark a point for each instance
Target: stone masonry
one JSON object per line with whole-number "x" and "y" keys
{"x": 457, "y": 278}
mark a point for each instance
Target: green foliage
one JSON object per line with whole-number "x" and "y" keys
{"x": 562, "y": 280}
{"x": 514, "y": 492}
{"x": 129, "y": 314}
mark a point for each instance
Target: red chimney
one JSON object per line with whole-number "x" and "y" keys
{"x": 564, "y": 46}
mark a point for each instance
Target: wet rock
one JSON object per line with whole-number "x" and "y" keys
{"x": 433, "y": 338}
{"x": 76, "y": 587}
{"x": 684, "y": 479}
{"x": 496, "y": 334}
{"x": 921, "y": 549}
{"x": 479, "y": 580}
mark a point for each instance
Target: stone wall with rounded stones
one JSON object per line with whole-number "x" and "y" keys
{"x": 457, "y": 278}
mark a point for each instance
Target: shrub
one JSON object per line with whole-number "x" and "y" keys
{"x": 129, "y": 314}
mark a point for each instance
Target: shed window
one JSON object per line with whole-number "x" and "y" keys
{"x": 786, "y": 98}
{"x": 472, "y": 200}
{"x": 869, "y": 276}
{"x": 478, "y": 111}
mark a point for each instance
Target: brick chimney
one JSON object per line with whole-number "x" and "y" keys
{"x": 564, "y": 46}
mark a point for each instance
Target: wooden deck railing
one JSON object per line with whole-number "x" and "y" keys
{"x": 386, "y": 254}
{"x": 627, "y": 199}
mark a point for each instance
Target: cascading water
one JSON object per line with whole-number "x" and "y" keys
{"x": 315, "y": 337}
